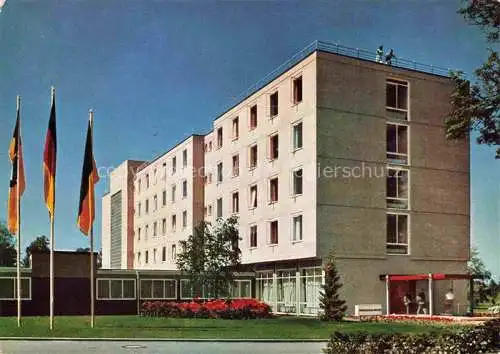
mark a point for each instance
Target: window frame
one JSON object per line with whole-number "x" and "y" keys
{"x": 272, "y": 147}
{"x": 408, "y": 234}
{"x": 14, "y": 288}
{"x": 398, "y": 82}
{"x": 250, "y": 160}
{"x": 270, "y": 239}
{"x": 293, "y": 176}
{"x": 294, "y": 216}
{"x": 273, "y": 113}
{"x": 250, "y": 243}
{"x": 110, "y": 298}
{"x": 251, "y": 125}
{"x": 236, "y": 169}
{"x": 295, "y": 78}
{"x": 395, "y": 160}
{"x": 394, "y": 200}
{"x": 270, "y": 190}
{"x": 235, "y": 128}
{"x": 251, "y": 205}
{"x": 295, "y": 124}
{"x": 152, "y": 280}
{"x": 237, "y": 209}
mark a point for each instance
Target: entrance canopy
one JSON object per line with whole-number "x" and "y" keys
{"x": 435, "y": 276}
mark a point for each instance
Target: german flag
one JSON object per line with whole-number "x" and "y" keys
{"x": 49, "y": 160}
{"x": 17, "y": 177}
{"x": 86, "y": 209}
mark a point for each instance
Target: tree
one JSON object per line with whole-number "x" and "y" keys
{"x": 331, "y": 304}
{"x": 7, "y": 247}
{"x": 40, "y": 244}
{"x": 481, "y": 275}
{"x": 476, "y": 106}
{"x": 210, "y": 255}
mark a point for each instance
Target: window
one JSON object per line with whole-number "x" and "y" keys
{"x": 297, "y": 90}
{"x": 253, "y": 236}
{"x": 253, "y": 196}
{"x": 209, "y": 146}
{"x": 164, "y": 168}
{"x": 164, "y": 197}
{"x": 205, "y": 211}
{"x": 184, "y": 189}
{"x": 273, "y": 102}
{"x": 164, "y": 226}
{"x": 164, "y": 254}
{"x": 155, "y": 226}
{"x": 241, "y": 289}
{"x": 236, "y": 165}
{"x": 397, "y": 233}
{"x": 154, "y": 255}
{"x": 172, "y": 195}
{"x": 236, "y": 202}
{"x": 397, "y": 189}
{"x": 219, "y": 208}
{"x": 184, "y": 219}
{"x": 174, "y": 164}
{"x": 158, "y": 288}
{"x": 220, "y": 139}
{"x": 138, "y": 258}
{"x": 8, "y": 288}
{"x": 146, "y": 207}
{"x": 115, "y": 289}
{"x": 139, "y": 234}
{"x": 147, "y": 257}
{"x": 139, "y": 186}
{"x": 397, "y": 143}
{"x": 297, "y": 182}
{"x": 297, "y": 136}
{"x": 396, "y": 95}
{"x": 273, "y": 226}
{"x": 147, "y": 181}
{"x": 253, "y": 117}
{"x": 174, "y": 222}
{"x": 273, "y": 147}
{"x": 273, "y": 190}
{"x": 155, "y": 202}
{"x": 253, "y": 156}
{"x": 184, "y": 158}
{"x": 173, "y": 252}
{"x": 139, "y": 209}
{"x": 146, "y": 229}
{"x": 210, "y": 210}
{"x": 236, "y": 128}
{"x": 297, "y": 228}
{"x": 219, "y": 172}
{"x": 155, "y": 178}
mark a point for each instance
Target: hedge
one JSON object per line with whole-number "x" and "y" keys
{"x": 227, "y": 309}
{"x": 478, "y": 339}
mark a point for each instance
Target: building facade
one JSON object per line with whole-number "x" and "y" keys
{"x": 117, "y": 228}
{"x": 341, "y": 153}
{"x": 168, "y": 204}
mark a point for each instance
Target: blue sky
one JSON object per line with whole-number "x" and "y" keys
{"x": 156, "y": 71}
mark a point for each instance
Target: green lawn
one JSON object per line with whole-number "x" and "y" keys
{"x": 145, "y": 327}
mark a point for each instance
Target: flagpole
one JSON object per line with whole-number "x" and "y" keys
{"x": 18, "y": 217}
{"x": 92, "y": 292}
{"x": 52, "y": 216}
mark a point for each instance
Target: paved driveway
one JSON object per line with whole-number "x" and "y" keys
{"x": 90, "y": 347}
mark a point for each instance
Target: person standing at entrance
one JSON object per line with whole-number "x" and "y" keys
{"x": 407, "y": 302}
{"x": 420, "y": 302}
{"x": 449, "y": 297}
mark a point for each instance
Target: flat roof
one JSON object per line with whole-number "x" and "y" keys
{"x": 333, "y": 48}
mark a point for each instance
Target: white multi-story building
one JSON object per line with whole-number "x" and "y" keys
{"x": 168, "y": 204}
{"x": 329, "y": 152}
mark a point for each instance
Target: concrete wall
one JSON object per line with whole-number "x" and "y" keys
{"x": 351, "y": 211}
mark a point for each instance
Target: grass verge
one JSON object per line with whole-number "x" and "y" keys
{"x": 151, "y": 327}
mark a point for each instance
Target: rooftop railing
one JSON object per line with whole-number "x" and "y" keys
{"x": 339, "y": 50}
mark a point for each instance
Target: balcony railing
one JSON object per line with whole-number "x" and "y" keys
{"x": 339, "y": 50}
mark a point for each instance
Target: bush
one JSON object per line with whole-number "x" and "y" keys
{"x": 477, "y": 339}
{"x": 227, "y": 309}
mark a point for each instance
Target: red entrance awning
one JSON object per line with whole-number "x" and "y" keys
{"x": 435, "y": 276}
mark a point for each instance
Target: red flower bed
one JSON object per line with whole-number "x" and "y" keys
{"x": 230, "y": 309}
